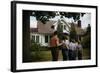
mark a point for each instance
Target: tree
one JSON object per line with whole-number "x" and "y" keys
{"x": 26, "y": 36}
{"x": 86, "y": 42}
{"x": 87, "y": 38}
{"x": 44, "y": 16}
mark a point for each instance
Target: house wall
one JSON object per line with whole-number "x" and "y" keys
{"x": 64, "y": 24}
{"x": 41, "y": 38}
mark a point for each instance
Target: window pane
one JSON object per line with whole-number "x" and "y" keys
{"x": 37, "y": 39}
{"x": 33, "y": 38}
{"x": 46, "y": 39}
{"x": 65, "y": 27}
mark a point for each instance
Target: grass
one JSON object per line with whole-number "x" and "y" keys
{"x": 86, "y": 54}
{"x": 46, "y": 55}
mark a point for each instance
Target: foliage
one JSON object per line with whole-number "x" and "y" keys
{"x": 44, "y": 16}
{"x": 86, "y": 42}
{"x": 37, "y": 55}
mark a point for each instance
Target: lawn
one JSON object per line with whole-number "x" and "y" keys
{"x": 46, "y": 55}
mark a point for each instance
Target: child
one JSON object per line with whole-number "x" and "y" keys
{"x": 72, "y": 50}
{"x": 65, "y": 47}
{"x": 79, "y": 47}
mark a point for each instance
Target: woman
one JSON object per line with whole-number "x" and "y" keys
{"x": 54, "y": 43}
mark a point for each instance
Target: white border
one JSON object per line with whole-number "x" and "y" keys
{"x": 21, "y": 66}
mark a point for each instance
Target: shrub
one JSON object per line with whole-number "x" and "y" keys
{"x": 36, "y": 52}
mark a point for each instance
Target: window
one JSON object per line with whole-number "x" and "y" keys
{"x": 37, "y": 39}
{"x": 50, "y": 36}
{"x": 33, "y": 38}
{"x": 64, "y": 27}
{"x": 46, "y": 39}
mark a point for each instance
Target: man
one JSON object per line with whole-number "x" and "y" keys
{"x": 54, "y": 43}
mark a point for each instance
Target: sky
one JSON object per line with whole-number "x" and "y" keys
{"x": 33, "y": 22}
{"x": 85, "y": 20}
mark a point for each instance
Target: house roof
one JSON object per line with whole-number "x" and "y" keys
{"x": 46, "y": 28}
{"x": 33, "y": 30}
{"x": 43, "y": 28}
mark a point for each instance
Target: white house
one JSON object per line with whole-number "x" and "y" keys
{"x": 65, "y": 25}
{"x": 43, "y": 32}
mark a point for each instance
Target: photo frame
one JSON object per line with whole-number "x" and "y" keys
{"x": 25, "y": 15}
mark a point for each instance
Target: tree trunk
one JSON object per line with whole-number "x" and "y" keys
{"x": 26, "y": 36}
